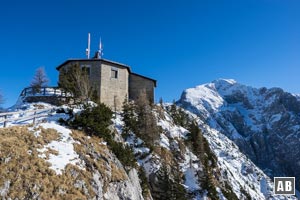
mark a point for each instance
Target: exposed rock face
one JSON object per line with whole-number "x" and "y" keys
{"x": 264, "y": 123}
{"x": 129, "y": 189}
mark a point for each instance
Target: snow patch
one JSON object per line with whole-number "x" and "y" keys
{"x": 164, "y": 141}
{"x": 190, "y": 179}
{"x": 66, "y": 153}
{"x": 5, "y": 189}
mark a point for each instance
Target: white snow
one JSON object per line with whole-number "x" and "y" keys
{"x": 64, "y": 146}
{"x": 264, "y": 186}
{"x": 214, "y": 104}
{"x": 190, "y": 179}
{"x": 240, "y": 171}
{"x": 170, "y": 129}
{"x": 208, "y": 99}
{"x": 5, "y": 188}
{"x": 204, "y": 97}
{"x": 164, "y": 141}
{"x": 118, "y": 123}
{"x": 151, "y": 164}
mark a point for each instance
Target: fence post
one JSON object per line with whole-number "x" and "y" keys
{"x": 34, "y": 117}
{"x": 4, "y": 124}
{"x": 44, "y": 91}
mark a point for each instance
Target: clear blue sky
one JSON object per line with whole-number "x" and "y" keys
{"x": 180, "y": 43}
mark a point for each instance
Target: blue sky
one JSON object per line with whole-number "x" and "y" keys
{"x": 181, "y": 43}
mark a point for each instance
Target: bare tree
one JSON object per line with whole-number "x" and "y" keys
{"x": 76, "y": 80}
{"x": 82, "y": 83}
{"x": 40, "y": 79}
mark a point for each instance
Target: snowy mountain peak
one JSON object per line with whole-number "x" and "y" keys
{"x": 210, "y": 97}
{"x": 255, "y": 119}
{"x": 223, "y": 82}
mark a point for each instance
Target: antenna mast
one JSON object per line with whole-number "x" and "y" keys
{"x": 100, "y": 50}
{"x": 88, "y": 49}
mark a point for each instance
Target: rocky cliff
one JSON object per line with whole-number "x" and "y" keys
{"x": 264, "y": 123}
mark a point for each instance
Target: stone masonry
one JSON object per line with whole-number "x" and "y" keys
{"x": 114, "y": 82}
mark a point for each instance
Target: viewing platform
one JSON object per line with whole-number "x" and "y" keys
{"x": 52, "y": 95}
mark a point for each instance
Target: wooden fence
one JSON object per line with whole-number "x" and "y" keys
{"x": 44, "y": 91}
{"x": 38, "y": 113}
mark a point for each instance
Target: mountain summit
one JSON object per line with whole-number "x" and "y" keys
{"x": 264, "y": 123}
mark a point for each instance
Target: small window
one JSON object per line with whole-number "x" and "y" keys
{"x": 114, "y": 72}
{"x": 86, "y": 68}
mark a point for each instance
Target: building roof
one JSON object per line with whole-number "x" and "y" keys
{"x": 94, "y": 60}
{"x": 108, "y": 62}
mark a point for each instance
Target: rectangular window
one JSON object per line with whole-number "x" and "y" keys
{"x": 114, "y": 72}
{"x": 86, "y": 68}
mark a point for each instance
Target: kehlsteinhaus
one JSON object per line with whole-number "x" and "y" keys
{"x": 113, "y": 81}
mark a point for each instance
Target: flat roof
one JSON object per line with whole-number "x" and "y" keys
{"x": 93, "y": 60}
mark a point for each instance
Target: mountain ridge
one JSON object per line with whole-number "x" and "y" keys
{"x": 263, "y": 122}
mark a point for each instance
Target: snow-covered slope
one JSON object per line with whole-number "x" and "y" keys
{"x": 58, "y": 162}
{"x": 263, "y": 122}
{"x": 49, "y": 161}
{"x": 233, "y": 168}
{"x": 239, "y": 171}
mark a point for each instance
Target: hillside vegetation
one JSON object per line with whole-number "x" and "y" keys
{"x": 145, "y": 152}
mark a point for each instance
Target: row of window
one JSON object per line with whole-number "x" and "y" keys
{"x": 113, "y": 73}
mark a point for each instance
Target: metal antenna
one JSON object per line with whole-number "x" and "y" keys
{"x": 100, "y": 50}
{"x": 88, "y": 49}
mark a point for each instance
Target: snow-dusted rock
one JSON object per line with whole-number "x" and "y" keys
{"x": 264, "y": 123}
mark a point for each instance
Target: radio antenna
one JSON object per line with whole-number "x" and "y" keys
{"x": 100, "y": 50}
{"x": 88, "y": 49}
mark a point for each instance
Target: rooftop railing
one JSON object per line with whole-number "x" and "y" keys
{"x": 44, "y": 91}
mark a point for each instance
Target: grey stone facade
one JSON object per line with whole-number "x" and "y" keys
{"x": 114, "y": 82}
{"x": 138, "y": 83}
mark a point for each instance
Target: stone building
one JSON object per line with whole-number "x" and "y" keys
{"x": 113, "y": 81}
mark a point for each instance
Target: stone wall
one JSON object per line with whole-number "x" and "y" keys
{"x": 113, "y": 90}
{"x": 137, "y": 84}
{"x": 95, "y": 72}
